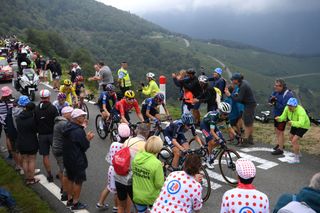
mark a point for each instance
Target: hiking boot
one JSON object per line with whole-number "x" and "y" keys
{"x": 50, "y": 179}
{"x": 79, "y": 206}
{"x": 277, "y": 152}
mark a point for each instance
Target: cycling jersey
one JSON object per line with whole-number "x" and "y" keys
{"x": 123, "y": 106}
{"x": 78, "y": 88}
{"x": 104, "y": 99}
{"x": 212, "y": 118}
{"x": 69, "y": 92}
{"x": 151, "y": 105}
{"x": 176, "y": 130}
{"x": 58, "y": 106}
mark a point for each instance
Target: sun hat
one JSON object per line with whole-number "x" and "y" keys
{"x": 77, "y": 112}
{"x": 245, "y": 168}
{"x": 124, "y": 130}
{"x": 66, "y": 109}
{"x": 6, "y": 91}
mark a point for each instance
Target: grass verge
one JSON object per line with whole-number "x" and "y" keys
{"x": 27, "y": 200}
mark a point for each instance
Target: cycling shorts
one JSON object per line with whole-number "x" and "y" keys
{"x": 181, "y": 139}
{"x": 152, "y": 112}
{"x": 207, "y": 134}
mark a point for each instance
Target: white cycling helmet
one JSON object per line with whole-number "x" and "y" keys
{"x": 203, "y": 79}
{"x": 150, "y": 75}
{"x": 224, "y": 107}
{"x": 44, "y": 93}
{"x": 24, "y": 63}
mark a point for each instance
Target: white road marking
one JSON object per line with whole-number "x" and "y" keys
{"x": 265, "y": 149}
{"x": 218, "y": 176}
{"x": 55, "y": 190}
{"x": 264, "y": 164}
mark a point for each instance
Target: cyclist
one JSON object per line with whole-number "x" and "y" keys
{"x": 104, "y": 100}
{"x": 152, "y": 88}
{"x": 60, "y": 102}
{"x": 123, "y": 107}
{"x": 174, "y": 136}
{"x": 210, "y": 130}
{"x": 79, "y": 86}
{"x": 69, "y": 91}
{"x": 150, "y": 105}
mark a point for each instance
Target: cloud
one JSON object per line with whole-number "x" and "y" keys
{"x": 234, "y": 6}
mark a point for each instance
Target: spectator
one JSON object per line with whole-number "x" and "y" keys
{"x": 152, "y": 88}
{"x": 45, "y": 114}
{"x": 104, "y": 77}
{"x": 182, "y": 189}
{"x": 245, "y": 196}
{"x": 310, "y": 195}
{"x": 40, "y": 63}
{"x": 148, "y": 175}
{"x": 124, "y": 133}
{"x": 56, "y": 72}
{"x": 246, "y": 97}
{"x": 278, "y": 100}
{"x": 299, "y": 121}
{"x": 208, "y": 94}
{"x": 27, "y": 140}
{"x": 57, "y": 146}
{"x": 76, "y": 143}
{"x": 75, "y": 71}
{"x": 124, "y": 183}
{"x": 186, "y": 104}
{"x": 218, "y": 81}
{"x": 124, "y": 78}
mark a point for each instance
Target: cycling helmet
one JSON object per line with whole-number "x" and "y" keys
{"x": 79, "y": 78}
{"x": 67, "y": 82}
{"x": 218, "y": 70}
{"x": 23, "y": 100}
{"x": 165, "y": 154}
{"x": 292, "y": 102}
{"x": 129, "y": 94}
{"x": 110, "y": 88}
{"x": 45, "y": 93}
{"x": 61, "y": 96}
{"x": 24, "y": 63}
{"x": 124, "y": 130}
{"x": 187, "y": 119}
{"x": 191, "y": 71}
{"x": 203, "y": 79}
{"x": 150, "y": 75}
{"x": 159, "y": 96}
{"x": 224, "y": 107}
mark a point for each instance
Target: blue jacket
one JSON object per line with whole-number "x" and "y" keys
{"x": 220, "y": 83}
{"x": 236, "y": 109}
{"x": 307, "y": 194}
{"x": 281, "y": 101}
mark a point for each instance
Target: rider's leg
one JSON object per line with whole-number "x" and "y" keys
{"x": 176, "y": 156}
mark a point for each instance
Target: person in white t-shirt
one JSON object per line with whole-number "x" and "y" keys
{"x": 182, "y": 191}
{"x": 245, "y": 198}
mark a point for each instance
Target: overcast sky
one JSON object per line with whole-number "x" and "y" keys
{"x": 236, "y": 6}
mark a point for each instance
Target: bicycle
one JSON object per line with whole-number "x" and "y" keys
{"x": 226, "y": 160}
{"x": 157, "y": 129}
{"x": 133, "y": 127}
{"x": 104, "y": 127}
{"x": 166, "y": 157}
{"x": 81, "y": 105}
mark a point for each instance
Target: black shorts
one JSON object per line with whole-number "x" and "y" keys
{"x": 45, "y": 141}
{"x": 123, "y": 191}
{"x": 76, "y": 176}
{"x": 248, "y": 115}
{"x": 281, "y": 126}
{"x": 298, "y": 131}
{"x": 32, "y": 152}
{"x": 152, "y": 112}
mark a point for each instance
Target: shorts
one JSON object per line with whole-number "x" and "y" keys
{"x": 181, "y": 139}
{"x": 45, "y": 141}
{"x": 152, "y": 112}
{"x": 281, "y": 126}
{"x": 59, "y": 159}
{"x": 32, "y": 152}
{"x": 207, "y": 134}
{"x": 248, "y": 115}
{"x": 123, "y": 191}
{"x": 298, "y": 131}
{"x": 43, "y": 73}
{"x": 76, "y": 176}
{"x": 111, "y": 182}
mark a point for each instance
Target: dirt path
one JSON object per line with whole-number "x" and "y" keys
{"x": 223, "y": 65}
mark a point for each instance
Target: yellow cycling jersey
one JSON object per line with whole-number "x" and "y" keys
{"x": 69, "y": 92}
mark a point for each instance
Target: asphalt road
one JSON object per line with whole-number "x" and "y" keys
{"x": 274, "y": 177}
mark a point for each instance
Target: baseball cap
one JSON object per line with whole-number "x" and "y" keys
{"x": 292, "y": 102}
{"x": 236, "y": 76}
{"x": 6, "y": 91}
{"x": 245, "y": 168}
{"x": 66, "y": 109}
{"x": 218, "y": 70}
{"x": 124, "y": 130}
{"x": 77, "y": 112}
{"x": 44, "y": 93}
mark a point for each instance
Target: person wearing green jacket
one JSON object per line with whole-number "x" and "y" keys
{"x": 152, "y": 88}
{"x": 300, "y": 123}
{"x": 148, "y": 175}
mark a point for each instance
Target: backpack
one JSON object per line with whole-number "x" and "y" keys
{"x": 6, "y": 199}
{"x": 122, "y": 159}
{"x": 296, "y": 207}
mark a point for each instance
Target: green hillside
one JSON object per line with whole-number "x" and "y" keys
{"x": 86, "y": 31}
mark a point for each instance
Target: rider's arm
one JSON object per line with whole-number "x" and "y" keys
{"x": 73, "y": 92}
{"x": 165, "y": 109}
{"x": 175, "y": 136}
{"x": 138, "y": 111}
{"x": 212, "y": 128}
{"x": 146, "y": 90}
{"x": 196, "y": 137}
{"x": 176, "y": 144}
{"x": 122, "y": 114}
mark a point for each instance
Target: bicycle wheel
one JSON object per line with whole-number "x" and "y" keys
{"x": 84, "y": 107}
{"x": 227, "y": 165}
{"x": 206, "y": 184}
{"x": 100, "y": 127}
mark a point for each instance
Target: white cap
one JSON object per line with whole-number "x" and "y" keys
{"x": 44, "y": 93}
{"x": 245, "y": 168}
{"x": 77, "y": 112}
{"x": 124, "y": 130}
{"x": 66, "y": 109}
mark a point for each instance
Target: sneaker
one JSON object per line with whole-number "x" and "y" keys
{"x": 293, "y": 155}
{"x": 209, "y": 165}
{"x": 276, "y": 147}
{"x": 102, "y": 206}
{"x": 64, "y": 196}
{"x": 69, "y": 203}
{"x": 294, "y": 161}
{"x": 50, "y": 179}
{"x": 79, "y": 206}
{"x": 277, "y": 152}
{"x": 114, "y": 209}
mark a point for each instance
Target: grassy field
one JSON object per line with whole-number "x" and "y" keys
{"x": 27, "y": 200}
